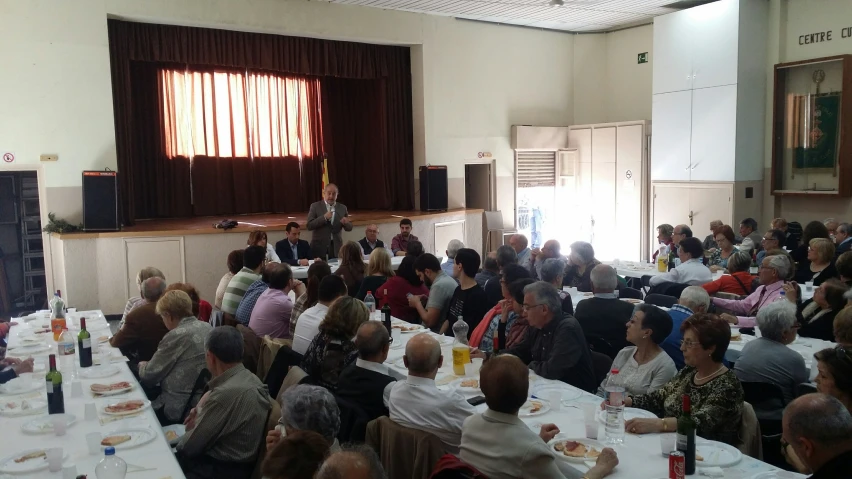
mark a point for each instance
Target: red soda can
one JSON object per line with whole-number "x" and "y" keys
{"x": 677, "y": 465}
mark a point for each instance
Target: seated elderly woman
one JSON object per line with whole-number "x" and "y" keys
{"x": 235, "y": 264}
{"x": 715, "y": 391}
{"x": 835, "y": 374}
{"x": 767, "y": 359}
{"x": 333, "y": 349}
{"x": 738, "y": 281}
{"x": 200, "y": 309}
{"x": 819, "y": 265}
{"x": 307, "y": 408}
{"x": 581, "y": 262}
{"x": 816, "y": 315}
{"x": 718, "y": 259}
{"x": 179, "y": 359}
{"x": 644, "y": 367}
{"x": 297, "y": 456}
{"x": 488, "y": 326}
{"x": 141, "y": 276}
{"x": 553, "y": 272}
{"x": 691, "y": 269}
{"x": 843, "y": 327}
{"x": 510, "y": 326}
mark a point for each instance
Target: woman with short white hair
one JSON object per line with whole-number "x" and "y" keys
{"x": 767, "y": 359}
{"x": 581, "y": 262}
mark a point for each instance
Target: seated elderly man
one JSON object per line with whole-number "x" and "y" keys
{"x": 554, "y": 346}
{"x": 368, "y": 382}
{"x": 489, "y": 270}
{"x": 553, "y": 272}
{"x": 352, "y": 462}
{"x": 307, "y": 408}
{"x": 605, "y": 316}
{"x": 693, "y": 300}
{"x": 371, "y": 240}
{"x": 520, "y": 244}
{"x": 500, "y": 445}
{"x": 771, "y": 275}
{"x": 222, "y": 435}
{"x": 144, "y": 273}
{"x": 493, "y": 288}
{"x": 453, "y": 247}
{"x": 418, "y": 403}
{"x": 767, "y": 359}
{"x": 680, "y": 233}
{"x": 550, "y": 249}
{"x": 772, "y": 239}
{"x": 751, "y": 238}
{"x": 691, "y": 269}
{"x": 143, "y": 328}
{"x": 818, "y": 430}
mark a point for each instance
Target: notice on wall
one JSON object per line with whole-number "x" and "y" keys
{"x": 8, "y": 157}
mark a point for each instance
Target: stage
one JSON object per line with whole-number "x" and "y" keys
{"x": 97, "y": 270}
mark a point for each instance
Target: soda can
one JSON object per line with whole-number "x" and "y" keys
{"x": 677, "y": 465}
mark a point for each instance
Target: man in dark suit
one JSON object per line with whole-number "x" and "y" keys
{"x": 292, "y": 250}
{"x": 605, "y": 316}
{"x": 325, "y": 220}
{"x": 365, "y": 382}
{"x": 371, "y": 240}
{"x": 843, "y": 239}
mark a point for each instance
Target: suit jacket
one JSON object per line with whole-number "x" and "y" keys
{"x": 282, "y": 249}
{"x": 843, "y": 247}
{"x": 365, "y": 388}
{"x": 606, "y": 319}
{"x": 322, "y": 230}
{"x": 141, "y": 334}
{"x": 366, "y": 246}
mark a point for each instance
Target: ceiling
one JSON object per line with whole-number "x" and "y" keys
{"x": 572, "y": 16}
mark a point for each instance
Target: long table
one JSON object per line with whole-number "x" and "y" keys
{"x": 806, "y": 347}
{"x": 639, "y": 456}
{"x": 301, "y": 272}
{"x": 156, "y": 455}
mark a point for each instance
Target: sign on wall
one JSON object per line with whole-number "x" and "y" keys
{"x": 8, "y": 157}
{"x": 824, "y": 36}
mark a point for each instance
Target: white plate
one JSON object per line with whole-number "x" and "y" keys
{"x": 8, "y": 464}
{"x": 568, "y": 393}
{"x": 179, "y": 429}
{"x": 457, "y": 385}
{"x": 44, "y": 425}
{"x": 417, "y": 328}
{"x": 22, "y": 407}
{"x": 717, "y": 454}
{"x": 145, "y": 405}
{"x": 114, "y": 392}
{"x": 138, "y": 437}
{"x": 96, "y": 372}
{"x": 525, "y": 410}
{"x": 629, "y": 413}
{"x": 20, "y": 385}
{"x": 589, "y": 443}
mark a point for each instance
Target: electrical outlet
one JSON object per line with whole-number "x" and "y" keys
{"x": 49, "y": 158}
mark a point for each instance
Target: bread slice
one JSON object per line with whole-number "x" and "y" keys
{"x": 32, "y": 455}
{"x": 115, "y": 440}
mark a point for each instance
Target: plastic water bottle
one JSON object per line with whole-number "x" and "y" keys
{"x": 66, "y": 350}
{"x": 370, "y": 301}
{"x": 111, "y": 466}
{"x": 614, "y": 409}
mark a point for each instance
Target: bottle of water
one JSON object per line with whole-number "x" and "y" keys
{"x": 370, "y": 301}
{"x": 66, "y": 350}
{"x": 614, "y": 409}
{"x": 111, "y": 466}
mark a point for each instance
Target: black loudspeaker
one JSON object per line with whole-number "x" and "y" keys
{"x": 433, "y": 188}
{"x": 100, "y": 201}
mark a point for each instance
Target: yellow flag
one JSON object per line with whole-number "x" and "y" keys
{"x": 324, "y": 173}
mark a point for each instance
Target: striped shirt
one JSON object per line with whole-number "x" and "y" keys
{"x": 231, "y": 423}
{"x": 243, "y": 315}
{"x": 237, "y": 289}
{"x": 298, "y": 309}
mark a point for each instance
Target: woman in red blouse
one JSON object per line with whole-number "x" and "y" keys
{"x": 395, "y": 291}
{"x": 738, "y": 281}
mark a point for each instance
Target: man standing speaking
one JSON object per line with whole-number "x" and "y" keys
{"x": 325, "y": 220}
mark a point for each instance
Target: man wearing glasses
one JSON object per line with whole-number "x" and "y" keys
{"x": 817, "y": 436}
{"x": 554, "y": 347}
{"x": 772, "y": 272}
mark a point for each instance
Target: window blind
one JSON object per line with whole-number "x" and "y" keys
{"x": 536, "y": 168}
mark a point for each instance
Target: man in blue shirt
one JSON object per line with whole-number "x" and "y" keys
{"x": 693, "y": 300}
{"x": 452, "y": 248}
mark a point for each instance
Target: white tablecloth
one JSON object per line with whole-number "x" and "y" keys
{"x": 156, "y": 454}
{"x": 639, "y": 456}
{"x": 804, "y": 346}
{"x": 301, "y": 272}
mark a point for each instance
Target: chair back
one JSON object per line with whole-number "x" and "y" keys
{"x": 281, "y": 365}
{"x": 764, "y": 396}
{"x": 251, "y": 348}
{"x": 268, "y": 350}
{"x": 601, "y": 363}
{"x": 661, "y": 300}
{"x": 805, "y": 388}
{"x": 630, "y": 293}
{"x": 451, "y": 467}
{"x": 295, "y": 376}
{"x": 405, "y": 453}
{"x": 750, "y": 438}
{"x": 668, "y": 288}
{"x": 600, "y": 345}
{"x": 353, "y": 421}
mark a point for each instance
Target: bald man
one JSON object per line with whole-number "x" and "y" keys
{"x": 326, "y": 219}
{"x": 500, "y": 445}
{"x": 538, "y": 256}
{"x": 371, "y": 240}
{"x": 354, "y": 462}
{"x": 520, "y": 244}
{"x": 368, "y": 382}
{"x": 418, "y": 403}
{"x": 818, "y": 428}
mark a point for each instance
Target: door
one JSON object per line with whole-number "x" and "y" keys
{"x": 714, "y": 134}
{"x": 715, "y": 42}
{"x": 629, "y": 177}
{"x": 477, "y": 182}
{"x": 670, "y": 144}
{"x": 670, "y": 206}
{"x": 708, "y": 203}
{"x": 672, "y": 56}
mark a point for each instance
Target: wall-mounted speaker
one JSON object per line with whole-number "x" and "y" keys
{"x": 433, "y": 188}
{"x": 100, "y": 201}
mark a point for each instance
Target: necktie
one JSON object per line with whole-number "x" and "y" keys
{"x": 753, "y": 310}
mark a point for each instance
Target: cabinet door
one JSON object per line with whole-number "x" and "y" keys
{"x": 672, "y": 56}
{"x": 629, "y": 178}
{"x": 715, "y": 41}
{"x": 708, "y": 203}
{"x": 714, "y": 133}
{"x": 670, "y": 136}
{"x": 670, "y": 206}
{"x": 603, "y": 192}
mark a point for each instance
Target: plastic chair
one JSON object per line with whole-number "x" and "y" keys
{"x": 601, "y": 363}
{"x": 389, "y": 439}
{"x": 601, "y": 345}
{"x": 629, "y": 293}
{"x": 662, "y": 300}
{"x": 353, "y": 421}
{"x": 451, "y": 467}
{"x": 767, "y": 401}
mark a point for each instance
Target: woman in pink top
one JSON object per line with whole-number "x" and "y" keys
{"x": 395, "y": 291}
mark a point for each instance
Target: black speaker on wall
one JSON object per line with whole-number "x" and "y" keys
{"x": 433, "y": 188}
{"x": 100, "y": 201}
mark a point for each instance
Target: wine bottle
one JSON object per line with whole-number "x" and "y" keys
{"x": 386, "y": 316}
{"x": 686, "y": 435}
{"x": 53, "y": 384}
{"x": 84, "y": 344}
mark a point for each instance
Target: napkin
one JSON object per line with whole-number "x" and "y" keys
{"x": 712, "y": 471}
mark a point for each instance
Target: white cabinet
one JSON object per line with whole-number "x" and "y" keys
{"x": 694, "y": 204}
{"x": 714, "y": 134}
{"x": 715, "y": 36}
{"x": 670, "y": 140}
{"x": 672, "y": 60}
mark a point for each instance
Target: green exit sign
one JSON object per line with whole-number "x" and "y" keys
{"x": 643, "y": 58}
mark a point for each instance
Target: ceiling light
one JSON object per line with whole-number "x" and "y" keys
{"x": 557, "y": 3}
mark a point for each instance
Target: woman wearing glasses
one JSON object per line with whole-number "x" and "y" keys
{"x": 816, "y": 315}
{"x": 714, "y": 390}
{"x": 835, "y": 374}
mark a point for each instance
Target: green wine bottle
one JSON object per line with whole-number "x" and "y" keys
{"x": 53, "y": 384}
{"x": 84, "y": 345}
{"x": 686, "y": 436}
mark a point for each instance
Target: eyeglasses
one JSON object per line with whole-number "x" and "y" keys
{"x": 841, "y": 352}
{"x": 688, "y": 343}
{"x": 531, "y": 306}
